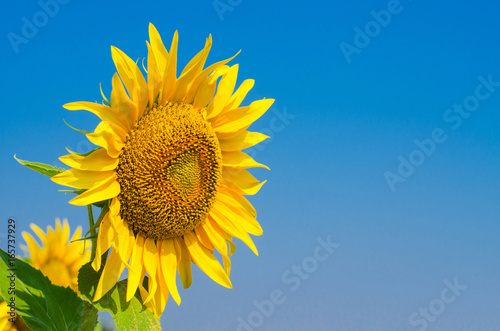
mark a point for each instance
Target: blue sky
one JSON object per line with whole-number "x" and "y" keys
{"x": 410, "y": 249}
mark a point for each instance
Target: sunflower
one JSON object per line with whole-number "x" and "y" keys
{"x": 59, "y": 259}
{"x": 5, "y": 318}
{"x": 171, "y": 171}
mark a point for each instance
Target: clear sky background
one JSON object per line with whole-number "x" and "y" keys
{"x": 340, "y": 160}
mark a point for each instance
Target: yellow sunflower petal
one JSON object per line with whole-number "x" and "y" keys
{"x": 123, "y": 240}
{"x": 127, "y": 112}
{"x": 226, "y": 261}
{"x": 191, "y": 94}
{"x": 110, "y": 136}
{"x": 240, "y": 160}
{"x": 218, "y": 230}
{"x": 217, "y": 240}
{"x": 240, "y": 94}
{"x": 107, "y": 140}
{"x": 244, "y": 180}
{"x": 183, "y": 262}
{"x": 241, "y": 117}
{"x": 78, "y": 249}
{"x": 232, "y": 122}
{"x": 161, "y": 295}
{"x": 202, "y": 237}
{"x": 136, "y": 267}
{"x": 114, "y": 207}
{"x": 154, "y": 76}
{"x": 81, "y": 179}
{"x": 243, "y": 140}
{"x": 78, "y": 254}
{"x": 132, "y": 78}
{"x": 170, "y": 79}
{"x": 150, "y": 261}
{"x": 150, "y": 303}
{"x": 104, "y": 190}
{"x": 98, "y": 160}
{"x": 105, "y": 113}
{"x": 158, "y": 49}
{"x": 232, "y": 248}
{"x": 198, "y": 61}
{"x": 39, "y": 232}
{"x": 232, "y": 210}
{"x": 224, "y": 91}
{"x": 236, "y": 201}
{"x": 208, "y": 87}
{"x": 62, "y": 235}
{"x": 232, "y": 229}
{"x": 206, "y": 261}
{"x": 104, "y": 240}
{"x": 169, "y": 267}
{"x": 119, "y": 133}
{"x": 191, "y": 71}
{"x": 35, "y": 250}
{"x": 219, "y": 243}
{"x": 110, "y": 275}
{"x": 212, "y": 223}
{"x": 76, "y": 235}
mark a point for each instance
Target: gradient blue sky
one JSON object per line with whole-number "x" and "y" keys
{"x": 352, "y": 122}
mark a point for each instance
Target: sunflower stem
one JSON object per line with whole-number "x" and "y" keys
{"x": 93, "y": 232}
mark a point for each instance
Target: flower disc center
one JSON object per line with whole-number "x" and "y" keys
{"x": 169, "y": 171}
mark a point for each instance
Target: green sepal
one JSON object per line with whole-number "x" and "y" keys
{"x": 99, "y": 204}
{"x": 42, "y": 168}
{"x": 83, "y": 154}
{"x": 72, "y": 191}
{"x": 103, "y": 96}
{"x": 97, "y": 224}
{"x": 84, "y": 238}
{"x": 77, "y": 130}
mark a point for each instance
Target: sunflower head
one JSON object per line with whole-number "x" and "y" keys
{"x": 57, "y": 257}
{"x": 174, "y": 156}
{"x": 170, "y": 167}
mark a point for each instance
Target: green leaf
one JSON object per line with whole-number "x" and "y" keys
{"x": 41, "y": 304}
{"x": 132, "y": 315}
{"x": 42, "y": 168}
{"x": 89, "y": 317}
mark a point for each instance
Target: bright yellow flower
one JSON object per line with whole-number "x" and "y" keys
{"x": 172, "y": 170}
{"x": 5, "y": 324}
{"x": 58, "y": 258}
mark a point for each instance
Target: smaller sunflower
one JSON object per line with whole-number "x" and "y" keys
{"x": 58, "y": 258}
{"x": 6, "y": 323}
